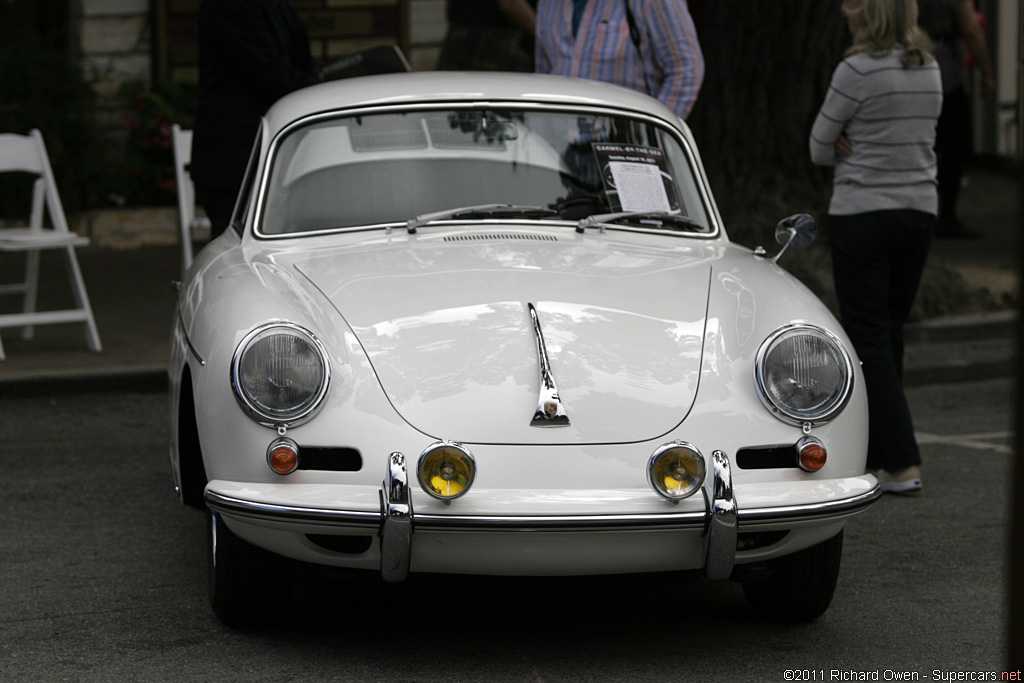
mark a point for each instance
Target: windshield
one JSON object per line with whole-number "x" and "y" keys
{"x": 389, "y": 168}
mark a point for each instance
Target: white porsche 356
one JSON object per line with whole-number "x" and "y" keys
{"x": 492, "y": 324}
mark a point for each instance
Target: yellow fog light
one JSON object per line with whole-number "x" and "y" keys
{"x": 283, "y": 456}
{"x": 676, "y": 470}
{"x": 446, "y": 470}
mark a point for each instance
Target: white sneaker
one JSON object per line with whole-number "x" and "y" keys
{"x": 906, "y": 480}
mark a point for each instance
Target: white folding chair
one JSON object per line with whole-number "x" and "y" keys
{"x": 187, "y": 218}
{"x": 27, "y": 153}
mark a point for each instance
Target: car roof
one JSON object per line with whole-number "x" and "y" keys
{"x": 448, "y": 86}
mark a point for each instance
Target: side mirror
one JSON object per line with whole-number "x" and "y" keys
{"x": 797, "y": 231}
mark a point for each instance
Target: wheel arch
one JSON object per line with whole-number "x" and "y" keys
{"x": 190, "y": 453}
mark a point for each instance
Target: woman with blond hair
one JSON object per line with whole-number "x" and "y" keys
{"x": 877, "y": 128}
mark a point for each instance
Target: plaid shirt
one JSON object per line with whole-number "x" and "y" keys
{"x": 604, "y": 51}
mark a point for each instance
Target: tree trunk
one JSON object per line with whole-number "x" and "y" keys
{"x": 768, "y": 64}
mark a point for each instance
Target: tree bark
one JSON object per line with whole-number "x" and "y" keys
{"x": 768, "y": 65}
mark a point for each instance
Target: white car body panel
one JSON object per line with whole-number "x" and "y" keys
{"x": 441, "y": 322}
{"x": 652, "y": 338}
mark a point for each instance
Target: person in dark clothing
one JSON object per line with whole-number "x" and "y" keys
{"x": 489, "y": 35}
{"x": 951, "y": 24}
{"x": 251, "y": 53}
{"x": 876, "y": 128}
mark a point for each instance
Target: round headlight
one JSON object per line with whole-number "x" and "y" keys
{"x": 280, "y": 374}
{"x": 804, "y": 374}
{"x": 676, "y": 470}
{"x": 446, "y": 470}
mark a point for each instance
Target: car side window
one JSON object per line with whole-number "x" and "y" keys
{"x": 241, "y": 211}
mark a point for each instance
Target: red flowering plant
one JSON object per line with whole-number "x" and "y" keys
{"x": 149, "y": 157}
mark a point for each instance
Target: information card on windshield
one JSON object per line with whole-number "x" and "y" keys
{"x": 635, "y": 178}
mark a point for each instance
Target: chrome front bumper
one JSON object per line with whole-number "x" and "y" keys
{"x": 396, "y": 522}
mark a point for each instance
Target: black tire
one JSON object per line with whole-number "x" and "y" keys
{"x": 797, "y": 587}
{"x": 248, "y": 585}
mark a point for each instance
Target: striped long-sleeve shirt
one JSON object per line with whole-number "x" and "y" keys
{"x": 602, "y": 50}
{"x": 888, "y": 112}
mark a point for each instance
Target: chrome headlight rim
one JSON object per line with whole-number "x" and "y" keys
{"x": 279, "y": 419}
{"x": 785, "y": 413}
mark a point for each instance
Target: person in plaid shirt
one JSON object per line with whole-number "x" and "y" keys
{"x": 646, "y": 45}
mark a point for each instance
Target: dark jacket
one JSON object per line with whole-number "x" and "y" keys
{"x": 251, "y": 53}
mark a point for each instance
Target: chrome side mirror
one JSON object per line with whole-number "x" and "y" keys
{"x": 797, "y": 231}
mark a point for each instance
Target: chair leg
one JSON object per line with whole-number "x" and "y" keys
{"x": 186, "y": 247}
{"x": 31, "y": 291}
{"x": 92, "y": 335}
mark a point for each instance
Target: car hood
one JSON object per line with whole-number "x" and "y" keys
{"x": 445, "y": 323}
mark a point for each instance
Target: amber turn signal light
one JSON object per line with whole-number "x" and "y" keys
{"x": 283, "y": 456}
{"x": 811, "y": 454}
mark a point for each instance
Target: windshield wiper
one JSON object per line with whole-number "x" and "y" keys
{"x": 480, "y": 211}
{"x": 666, "y": 220}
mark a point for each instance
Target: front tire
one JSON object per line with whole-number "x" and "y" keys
{"x": 248, "y": 585}
{"x": 797, "y": 587}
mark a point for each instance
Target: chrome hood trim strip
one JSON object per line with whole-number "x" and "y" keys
{"x": 550, "y": 411}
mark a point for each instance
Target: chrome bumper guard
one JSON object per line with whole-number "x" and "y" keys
{"x": 395, "y": 521}
{"x": 720, "y": 540}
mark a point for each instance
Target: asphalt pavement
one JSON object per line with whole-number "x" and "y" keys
{"x": 103, "y": 577}
{"x": 121, "y": 596}
{"x": 134, "y": 303}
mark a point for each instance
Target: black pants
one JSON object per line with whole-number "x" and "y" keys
{"x": 878, "y": 259}
{"x": 953, "y": 149}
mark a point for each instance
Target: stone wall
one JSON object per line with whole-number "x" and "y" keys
{"x": 114, "y": 44}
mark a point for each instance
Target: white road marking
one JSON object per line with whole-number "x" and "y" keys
{"x": 979, "y": 442}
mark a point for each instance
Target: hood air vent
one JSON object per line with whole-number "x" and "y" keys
{"x": 492, "y": 236}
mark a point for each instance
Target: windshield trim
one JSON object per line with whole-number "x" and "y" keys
{"x": 689, "y": 150}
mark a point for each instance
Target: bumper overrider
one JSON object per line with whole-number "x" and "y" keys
{"x": 396, "y": 523}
